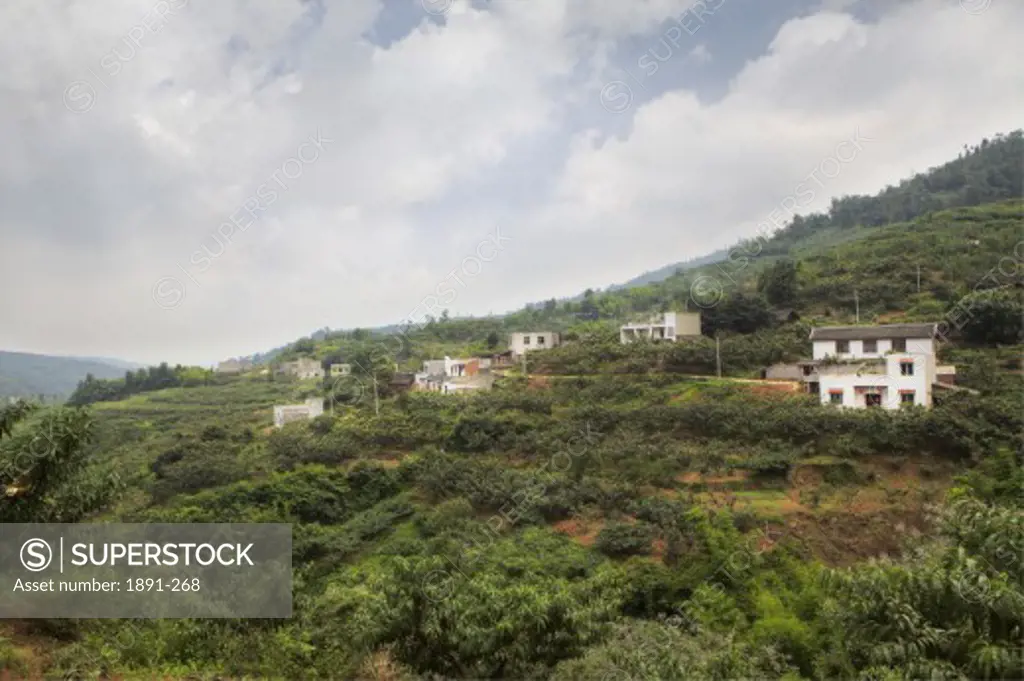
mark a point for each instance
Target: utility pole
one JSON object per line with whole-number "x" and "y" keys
{"x": 856, "y": 303}
{"x": 918, "y": 277}
{"x": 376, "y": 398}
{"x": 718, "y": 354}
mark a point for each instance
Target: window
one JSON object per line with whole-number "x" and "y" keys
{"x": 540, "y": 340}
{"x": 807, "y": 369}
{"x": 899, "y": 344}
{"x": 907, "y": 368}
{"x": 835, "y": 396}
{"x": 906, "y": 397}
{"x": 526, "y": 340}
{"x": 873, "y": 400}
{"x": 842, "y": 346}
{"x": 870, "y": 346}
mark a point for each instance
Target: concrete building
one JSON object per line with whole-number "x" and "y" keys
{"x": 886, "y": 366}
{"x": 452, "y": 375}
{"x": 341, "y": 370}
{"x": 522, "y": 342}
{"x": 304, "y": 367}
{"x": 669, "y": 326}
{"x": 234, "y": 366}
{"x": 783, "y": 372}
{"x": 286, "y": 413}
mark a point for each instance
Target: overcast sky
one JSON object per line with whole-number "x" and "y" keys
{"x": 189, "y": 181}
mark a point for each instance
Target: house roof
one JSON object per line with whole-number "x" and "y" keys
{"x": 826, "y": 333}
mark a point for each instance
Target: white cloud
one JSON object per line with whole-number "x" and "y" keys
{"x": 691, "y": 176}
{"x": 100, "y": 205}
{"x": 700, "y": 54}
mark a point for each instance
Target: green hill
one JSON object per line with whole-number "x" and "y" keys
{"x": 24, "y": 374}
{"x": 612, "y": 514}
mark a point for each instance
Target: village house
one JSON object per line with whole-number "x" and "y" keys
{"x": 453, "y": 375}
{"x": 888, "y": 366}
{"x": 522, "y": 342}
{"x": 304, "y": 367}
{"x": 286, "y": 413}
{"x": 338, "y": 370}
{"x": 669, "y": 326}
{"x": 234, "y": 366}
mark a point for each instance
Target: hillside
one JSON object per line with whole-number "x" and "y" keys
{"x": 667, "y": 271}
{"x": 641, "y": 516}
{"x": 988, "y": 172}
{"x": 957, "y": 252}
{"x": 613, "y": 512}
{"x": 939, "y": 205}
{"x": 458, "y": 535}
{"x": 25, "y": 374}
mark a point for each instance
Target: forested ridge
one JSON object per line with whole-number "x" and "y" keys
{"x": 613, "y": 512}
{"x": 46, "y": 377}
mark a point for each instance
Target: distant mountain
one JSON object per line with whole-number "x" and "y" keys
{"x": 120, "y": 363}
{"x": 24, "y": 374}
{"x": 663, "y": 273}
{"x": 652, "y": 277}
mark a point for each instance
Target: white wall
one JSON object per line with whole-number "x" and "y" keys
{"x": 433, "y": 367}
{"x": 286, "y": 413}
{"x": 687, "y": 324}
{"x": 668, "y": 326}
{"x": 889, "y": 384}
{"x": 315, "y": 405}
{"x": 518, "y": 345}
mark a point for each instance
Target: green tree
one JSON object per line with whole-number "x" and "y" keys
{"x": 954, "y": 609}
{"x": 739, "y": 313}
{"x": 778, "y": 283}
{"x": 44, "y": 471}
{"x": 994, "y": 316}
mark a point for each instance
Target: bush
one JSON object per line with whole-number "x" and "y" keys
{"x": 623, "y": 539}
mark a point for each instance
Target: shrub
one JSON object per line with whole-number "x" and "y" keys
{"x": 623, "y": 539}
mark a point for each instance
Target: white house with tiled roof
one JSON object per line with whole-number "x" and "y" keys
{"x": 888, "y": 366}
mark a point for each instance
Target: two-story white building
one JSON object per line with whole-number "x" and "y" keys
{"x": 668, "y": 326}
{"x": 886, "y": 366}
{"x": 522, "y": 342}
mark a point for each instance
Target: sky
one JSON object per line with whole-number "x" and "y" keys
{"x": 188, "y": 181}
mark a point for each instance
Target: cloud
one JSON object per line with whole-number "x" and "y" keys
{"x": 700, "y": 54}
{"x": 691, "y": 176}
{"x": 488, "y": 116}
